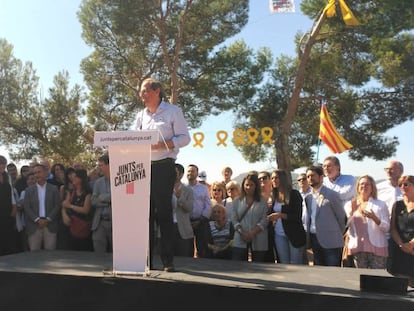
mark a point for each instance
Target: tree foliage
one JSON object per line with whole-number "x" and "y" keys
{"x": 181, "y": 43}
{"x": 36, "y": 126}
{"x": 364, "y": 73}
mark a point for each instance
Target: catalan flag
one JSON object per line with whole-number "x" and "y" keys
{"x": 329, "y": 135}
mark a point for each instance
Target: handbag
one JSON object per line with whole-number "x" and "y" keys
{"x": 79, "y": 228}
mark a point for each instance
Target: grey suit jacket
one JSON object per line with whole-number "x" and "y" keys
{"x": 183, "y": 212}
{"x": 52, "y": 206}
{"x": 330, "y": 218}
{"x": 100, "y": 199}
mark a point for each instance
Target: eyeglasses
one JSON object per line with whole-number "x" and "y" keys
{"x": 301, "y": 179}
{"x": 404, "y": 184}
{"x": 263, "y": 178}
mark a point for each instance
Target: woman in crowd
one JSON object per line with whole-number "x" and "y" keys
{"x": 78, "y": 204}
{"x": 290, "y": 236}
{"x": 368, "y": 223}
{"x": 217, "y": 192}
{"x": 8, "y": 233}
{"x": 58, "y": 175}
{"x": 233, "y": 191}
{"x": 221, "y": 234}
{"x": 402, "y": 231}
{"x": 249, "y": 220}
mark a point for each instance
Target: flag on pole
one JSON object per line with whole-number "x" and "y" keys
{"x": 329, "y": 135}
{"x": 282, "y": 6}
{"x": 347, "y": 15}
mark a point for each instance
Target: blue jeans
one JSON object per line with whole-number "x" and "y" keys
{"x": 325, "y": 256}
{"x": 287, "y": 253}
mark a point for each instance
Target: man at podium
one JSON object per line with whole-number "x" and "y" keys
{"x": 169, "y": 120}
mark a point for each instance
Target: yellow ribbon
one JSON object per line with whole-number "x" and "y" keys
{"x": 222, "y": 137}
{"x": 267, "y": 135}
{"x": 239, "y": 137}
{"x": 198, "y": 138}
{"x": 347, "y": 15}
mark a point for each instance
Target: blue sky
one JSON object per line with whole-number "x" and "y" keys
{"x": 47, "y": 33}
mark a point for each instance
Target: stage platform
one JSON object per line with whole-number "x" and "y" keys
{"x": 62, "y": 280}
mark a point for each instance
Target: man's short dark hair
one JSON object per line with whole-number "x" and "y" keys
{"x": 317, "y": 169}
{"x": 104, "y": 158}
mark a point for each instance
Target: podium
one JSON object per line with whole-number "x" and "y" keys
{"x": 130, "y": 173}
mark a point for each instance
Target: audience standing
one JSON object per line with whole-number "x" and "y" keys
{"x": 402, "y": 231}
{"x": 266, "y": 192}
{"x": 289, "y": 234}
{"x": 183, "y": 202}
{"x": 390, "y": 192}
{"x": 325, "y": 220}
{"x": 42, "y": 209}
{"x": 344, "y": 185}
{"x": 233, "y": 191}
{"x": 201, "y": 211}
{"x": 368, "y": 222}
{"x": 78, "y": 204}
{"x": 250, "y": 222}
{"x": 101, "y": 203}
{"x": 8, "y": 233}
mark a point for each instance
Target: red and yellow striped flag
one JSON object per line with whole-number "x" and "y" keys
{"x": 329, "y": 135}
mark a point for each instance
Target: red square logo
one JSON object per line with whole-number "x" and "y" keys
{"x": 130, "y": 188}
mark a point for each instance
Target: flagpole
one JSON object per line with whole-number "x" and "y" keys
{"x": 319, "y": 140}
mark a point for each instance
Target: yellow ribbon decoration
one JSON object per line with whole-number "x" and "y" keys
{"x": 347, "y": 15}
{"x": 239, "y": 137}
{"x": 267, "y": 135}
{"x": 198, "y": 138}
{"x": 330, "y": 8}
{"x": 222, "y": 137}
{"x": 252, "y": 135}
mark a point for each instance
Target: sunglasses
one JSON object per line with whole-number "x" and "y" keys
{"x": 263, "y": 178}
{"x": 404, "y": 184}
{"x": 301, "y": 179}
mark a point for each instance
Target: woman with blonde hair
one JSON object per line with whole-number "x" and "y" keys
{"x": 368, "y": 223}
{"x": 217, "y": 192}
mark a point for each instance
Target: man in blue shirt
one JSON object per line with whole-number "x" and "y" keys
{"x": 169, "y": 120}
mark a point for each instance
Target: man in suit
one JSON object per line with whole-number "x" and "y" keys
{"x": 42, "y": 209}
{"x": 325, "y": 220}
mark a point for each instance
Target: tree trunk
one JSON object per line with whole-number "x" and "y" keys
{"x": 282, "y": 142}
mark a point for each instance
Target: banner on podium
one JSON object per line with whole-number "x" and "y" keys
{"x": 130, "y": 174}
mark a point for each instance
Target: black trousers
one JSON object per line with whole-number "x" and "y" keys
{"x": 162, "y": 185}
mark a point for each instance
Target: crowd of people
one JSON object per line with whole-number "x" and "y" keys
{"x": 327, "y": 218}
{"x": 265, "y": 218}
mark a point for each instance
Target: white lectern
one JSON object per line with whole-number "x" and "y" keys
{"x": 130, "y": 167}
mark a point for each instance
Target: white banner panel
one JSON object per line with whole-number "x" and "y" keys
{"x": 125, "y": 138}
{"x": 130, "y": 173}
{"x": 130, "y": 192}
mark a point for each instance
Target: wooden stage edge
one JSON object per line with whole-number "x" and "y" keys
{"x": 316, "y": 280}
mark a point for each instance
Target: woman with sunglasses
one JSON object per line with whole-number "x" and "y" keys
{"x": 402, "y": 231}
